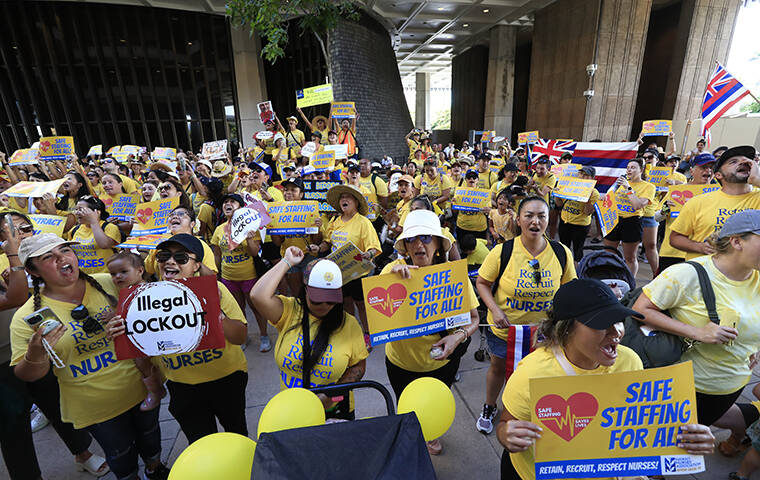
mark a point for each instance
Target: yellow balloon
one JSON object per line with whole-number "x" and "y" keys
{"x": 433, "y": 403}
{"x": 219, "y": 455}
{"x": 291, "y": 408}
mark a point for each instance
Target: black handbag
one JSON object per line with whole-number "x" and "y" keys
{"x": 460, "y": 350}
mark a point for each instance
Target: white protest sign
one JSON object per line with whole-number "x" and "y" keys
{"x": 341, "y": 150}
{"x": 264, "y": 135}
{"x": 244, "y": 220}
{"x": 309, "y": 149}
{"x": 214, "y": 150}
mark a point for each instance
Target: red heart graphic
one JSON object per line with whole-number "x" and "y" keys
{"x": 682, "y": 197}
{"x": 358, "y": 258}
{"x": 108, "y": 201}
{"x": 144, "y": 215}
{"x": 567, "y": 418}
{"x": 387, "y": 301}
{"x": 45, "y": 146}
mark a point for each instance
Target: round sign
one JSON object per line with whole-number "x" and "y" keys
{"x": 264, "y": 135}
{"x": 244, "y": 220}
{"x": 309, "y": 149}
{"x": 164, "y": 318}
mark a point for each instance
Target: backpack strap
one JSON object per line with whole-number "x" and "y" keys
{"x": 506, "y": 254}
{"x": 708, "y": 294}
{"x": 306, "y": 349}
{"x": 560, "y": 253}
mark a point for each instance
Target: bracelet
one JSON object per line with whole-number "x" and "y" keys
{"x": 463, "y": 331}
{"x": 32, "y": 361}
{"x": 11, "y": 255}
{"x": 287, "y": 263}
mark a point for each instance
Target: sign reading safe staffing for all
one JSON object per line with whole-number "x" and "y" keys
{"x": 614, "y": 425}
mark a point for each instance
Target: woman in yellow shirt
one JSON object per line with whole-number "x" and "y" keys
{"x": 113, "y": 186}
{"x": 422, "y": 244}
{"x": 575, "y": 217}
{"x": 332, "y": 350}
{"x": 351, "y": 226}
{"x": 95, "y": 239}
{"x": 98, "y": 393}
{"x": 73, "y": 188}
{"x": 502, "y": 221}
{"x": 632, "y": 194}
{"x": 172, "y": 188}
{"x": 182, "y": 220}
{"x": 581, "y": 336}
{"x": 434, "y": 185}
{"x": 474, "y": 223}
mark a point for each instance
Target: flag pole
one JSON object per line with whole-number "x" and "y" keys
{"x": 685, "y": 137}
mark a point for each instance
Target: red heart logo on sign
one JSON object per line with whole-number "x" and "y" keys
{"x": 144, "y": 215}
{"x": 45, "y": 146}
{"x": 387, "y": 301}
{"x": 567, "y": 418}
{"x": 682, "y": 197}
{"x": 358, "y": 257}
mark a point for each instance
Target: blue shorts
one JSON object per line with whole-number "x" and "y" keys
{"x": 649, "y": 222}
{"x": 496, "y": 345}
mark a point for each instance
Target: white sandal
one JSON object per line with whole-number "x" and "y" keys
{"x": 93, "y": 466}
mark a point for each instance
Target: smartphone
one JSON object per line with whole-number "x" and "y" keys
{"x": 182, "y": 163}
{"x": 11, "y": 228}
{"x": 43, "y": 318}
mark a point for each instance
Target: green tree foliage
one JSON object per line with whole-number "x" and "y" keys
{"x": 753, "y": 107}
{"x": 442, "y": 120}
{"x": 269, "y": 19}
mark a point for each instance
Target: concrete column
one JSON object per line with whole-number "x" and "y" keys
{"x": 251, "y": 82}
{"x": 621, "y": 40}
{"x": 500, "y": 83}
{"x": 709, "y": 26}
{"x": 422, "y": 100}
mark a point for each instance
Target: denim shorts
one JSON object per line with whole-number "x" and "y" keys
{"x": 496, "y": 345}
{"x": 649, "y": 222}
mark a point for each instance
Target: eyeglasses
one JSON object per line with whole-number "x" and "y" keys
{"x": 180, "y": 257}
{"x": 422, "y": 238}
{"x": 536, "y": 270}
{"x": 165, "y": 186}
{"x": 89, "y": 324}
{"x": 178, "y": 213}
{"x": 92, "y": 175}
{"x": 648, "y": 157}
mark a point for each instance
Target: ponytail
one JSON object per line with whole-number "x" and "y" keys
{"x": 554, "y": 331}
{"x": 97, "y": 286}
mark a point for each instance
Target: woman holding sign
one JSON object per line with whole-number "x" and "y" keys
{"x": 581, "y": 336}
{"x": 98, "y": 393}
{"x": 96, "y": 238}
{"x": 422, "y": 244}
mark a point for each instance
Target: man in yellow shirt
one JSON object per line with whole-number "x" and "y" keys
{"x": 375, "y": 185}
{"x": 544, "y": 181}
{"x": 486, "y": 178}
{"x": 738, "y": 174}
{"x": 413, "y": 142}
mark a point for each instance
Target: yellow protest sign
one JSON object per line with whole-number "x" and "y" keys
{"x": 56, "y": 148}
{"x": 342, "y": 110}
{"x": 289, "y": 218}
{"x": 434, "y": 299}
{"x": 144, "y": 242}
{"x": 656, "y": 127}
{"x": 34, "y": 189}
{"x": 614, "y": 425}
{"x": 571, "y": 188}
{"x": 123, "y": 207}
{"x": 151, "y": 217}
{"x": 471, "y": 199}
{"x": 324, "y": 160}
{"x": 164, "y": 153}
{"x": 524, "y": 138}
{"x": 488, "y": 136}
{"x": 24, "y": 156}
{"x": 658, "y": 176}
{"x": 48, "y": 224}
{"x": 314, "y": 95}
{"x": 95, "y": 150}
{"x": 566, "y": 169}
{"x": 680, "y": 194}
{"x": 125, "y": 151}
{"x": 113, "y": 150}
{"x": 349, "y": 260}
{"x": 607, "y": 212}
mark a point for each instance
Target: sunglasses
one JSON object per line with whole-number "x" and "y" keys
{"x": 89, "y": 324}
{"x": 25, "y": 228}
{"x": 92, "y": 175}
{"x": 163, "y": 187}
{"x": 648, "y": 157}
{"x": 178, "y": 213}
{"x": 536, "y": 270}
{"x": 107, "y": 160}
{"x": 180, "y": 257}
{"x": 422, "y": 238}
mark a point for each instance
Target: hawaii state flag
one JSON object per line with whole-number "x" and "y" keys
{"x": 723, "y": 92}
{"x": 609, "y": 159}
{"x": 553, "y": 148}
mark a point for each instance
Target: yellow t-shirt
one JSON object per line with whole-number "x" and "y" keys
{"x": 208, "y": 365}
{"x": 501, "y": 223}
{"x": 413, "y": 147}
{"x": 478, "y": 256}
{"x": 129, "y": 184}
{"x": 237, "y": 264}
{"x": 706, "y": 213}
{"x": 98, "y": 190}
{"x": 472, "y": 221}
{"x": 294, "y": 139}
{"x": 151, "y": 264}
{"x": 548, "y": 180}
{"x": 723, "y": 368}
{"x": 358, "y": 230}
{"x": 518, "y": 295}
{"x": 92, "y": 259}
{"x": 433, "y": 188}
{"x": 402, "y": 207}
{"x": 542, "y": 363}
{"x": 642, "y": 189}
{"x": 345, "y": 348}
{"x": 95, "y": 387}
{"x": 666, "y": 249}
{"x": 378, "y": 187}
{"x": 413, "y": 354}
{"x": 573, "y": 211}
{"x": 206, "y": 215}
{"x": 487, "y": 179}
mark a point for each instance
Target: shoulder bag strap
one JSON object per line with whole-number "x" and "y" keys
{"x": 708, "y": 294}
{"x": 306, "y": 350}
{"x": 506, "y": 254}
{"x": 563, "y": 361}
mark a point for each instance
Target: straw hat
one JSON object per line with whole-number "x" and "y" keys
{"x": 421, "y": 222}
{"x": 318, "y": 118}
{"x": 221, "y": 169}
{"x": 333, "y": 198}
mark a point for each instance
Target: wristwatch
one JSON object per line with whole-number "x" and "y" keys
{"x": 17, "y": 268}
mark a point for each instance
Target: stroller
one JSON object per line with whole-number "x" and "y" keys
{"x": 608, "y": 266}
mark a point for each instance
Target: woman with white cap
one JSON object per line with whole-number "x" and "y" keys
{"x": 421, "y": 244}
{"x": 581, "y": 336}
{"x": 351, "y": 226}
{"x": 337, "y": 352}
{"x": 283, "y": 152}
{"x": 98, "y": 393}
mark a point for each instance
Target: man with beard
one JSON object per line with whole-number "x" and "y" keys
{"x": 737, "y": 173}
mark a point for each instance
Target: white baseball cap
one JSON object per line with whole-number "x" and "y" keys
{"x": 324, "y": 281}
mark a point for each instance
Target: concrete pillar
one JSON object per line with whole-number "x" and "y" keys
{"x": 621, "y": 39}
{"x": 500, "y": 83}
{"x": 422, "y": 100}
{"x": 250, "y": 80}
{"x": 709, "y": 26}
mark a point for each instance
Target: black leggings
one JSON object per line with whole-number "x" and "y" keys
{"x": 400, "y": 377}
{"x": 711, "y": 407}
{"x": 574, "y": 237}
{"x": 508, "y": 471}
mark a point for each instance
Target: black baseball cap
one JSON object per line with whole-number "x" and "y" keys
{"x": 236, "y": 197}
{"x": 187, "y": 241}
{"x": 296, "y": 182}
{"x": 742, "y": 151}
{"x": 592, "y": 303}
{"x": 472, "y": 174}
{"x": 511, "y": 167}
{"x": 566, "y": 155}
{"x": 543, "y": 159}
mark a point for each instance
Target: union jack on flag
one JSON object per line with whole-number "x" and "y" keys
{"x": 723, "y": 92}
{"x": 553, "y": 148}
